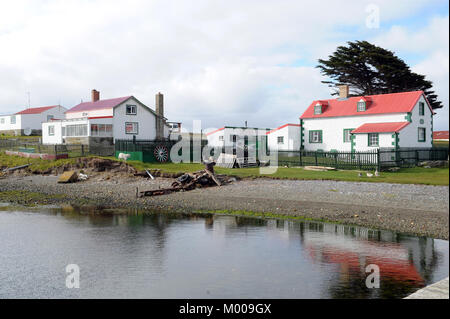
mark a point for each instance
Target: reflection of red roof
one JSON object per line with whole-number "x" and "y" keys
{"x": 99, "y": 105}
{"x": 36, "y": 110}
{"x": 389, "y": 127}
{"x": 282, "y": 126}
{"x": 376, "y": 104}
{"x": 440, "y": 135}
{"x": 398, "y": 269}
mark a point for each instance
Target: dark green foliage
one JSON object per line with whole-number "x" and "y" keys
{"x": 369, "y": 69}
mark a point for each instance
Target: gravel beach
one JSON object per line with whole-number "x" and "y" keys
{"x": 416, "y": 209}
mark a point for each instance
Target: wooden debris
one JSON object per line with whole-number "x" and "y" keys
{"x": 190, "y": 181}
{"x": 68, "y": 177}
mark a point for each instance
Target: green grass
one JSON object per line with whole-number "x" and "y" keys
{"x": 417, "y": 175}
{"x": 440, "y": 144}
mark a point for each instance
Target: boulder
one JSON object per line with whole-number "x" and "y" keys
{"x": 68, "y": 177}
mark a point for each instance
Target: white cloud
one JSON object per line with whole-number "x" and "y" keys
{"x": 220, "y": 61}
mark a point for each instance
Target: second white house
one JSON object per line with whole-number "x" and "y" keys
{"x": 104, "y": 121}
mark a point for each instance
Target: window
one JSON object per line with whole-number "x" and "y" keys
{"x": 51, "y": 130}
{"x": 131, "y": 110}
{"x": 84, "y": 114}
{"x": 76, "y": 130}
{"x": 13, "y": 119}
{"x": 361, "y": 106}
{"x": 373, "y": 139}
{"x": 318, "y": 109}
{"x": 233, "y": 138}
{"x": 131, "y": 128}
{"x": 280, "y": 139}
{"x": 2, "y": 121}
{"x": 315, "y": 136}
{"x": 221, "y": 138}
{"x": 101, "y": 129}
{"x": 421, "y": 108}
{"x": 421, "y": 134}
{"x": 347, "y": 135}
{"x": 50, "y": 117}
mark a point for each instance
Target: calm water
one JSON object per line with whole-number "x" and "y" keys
{"x": 171, "y": 256}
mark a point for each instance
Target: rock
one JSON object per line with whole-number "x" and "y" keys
{"x": 68, "y": 177}
{"x": 393, "y": 169}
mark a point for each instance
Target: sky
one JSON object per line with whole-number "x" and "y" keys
{"x": 221, "y": 62}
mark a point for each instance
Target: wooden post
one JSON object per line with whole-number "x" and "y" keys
{"x": 315, "y": 156}
{"x": 378, "y": 160}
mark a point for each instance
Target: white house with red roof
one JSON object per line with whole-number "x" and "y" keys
{"x": 365, "y": 123}
{"x": 284, "y": 138}
{"x": 103, "y": 121}
{"x": 29, "y": 121}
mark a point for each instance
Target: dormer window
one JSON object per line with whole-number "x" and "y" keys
{"x": 361, "y": 106}
{"x": 318, "y": 109}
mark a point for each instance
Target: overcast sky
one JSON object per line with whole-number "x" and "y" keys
{"x": 222, "y": 62}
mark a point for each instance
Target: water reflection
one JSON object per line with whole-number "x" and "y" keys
{"x": 208, "y": 256}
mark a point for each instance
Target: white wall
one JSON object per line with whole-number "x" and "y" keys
{"x": 362, "y": 142}
{"x": 291, "y": 135}
{"x": 145, "y": 118}
{"x": 408, "y": 137}
{"x": 57, "y": 137}
{"x": 93, "y": 113}
{"x": 31, "y": 121}
{"x": 6, "y": 126}
{"x": 333, "y": 130}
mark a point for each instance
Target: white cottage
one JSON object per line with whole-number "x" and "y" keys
{"x": 103, "y": 121}
{"x": 233, "y": 136}
{"x": 284, "y": 138}
{"x": 364, "y": 123}
{"x": 29, "y": 121}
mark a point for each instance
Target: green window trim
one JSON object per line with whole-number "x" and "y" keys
{"x": 361, "y": 106}
{"x": 421, "y": 108}
{"x": 424, "y": 134}
{"x": 369, "y": 143}
{"x": 344, "y": 135}
{"x": 408, "y": 117}
{"x": 320, "y": 136}
{"x": 317, "y": 109}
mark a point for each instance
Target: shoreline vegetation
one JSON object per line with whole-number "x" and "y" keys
{"x": 415, "y": 175}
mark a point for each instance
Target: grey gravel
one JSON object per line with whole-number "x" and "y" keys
{"x": 417, "y": 209}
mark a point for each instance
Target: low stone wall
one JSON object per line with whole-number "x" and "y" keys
{"x": 37, "y": 155}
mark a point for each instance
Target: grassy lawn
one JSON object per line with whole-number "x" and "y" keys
{"x": 440, "y": 144}
{"x": 417, "y": 175}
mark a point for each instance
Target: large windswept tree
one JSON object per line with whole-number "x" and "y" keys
{"x": 369, "y": 69}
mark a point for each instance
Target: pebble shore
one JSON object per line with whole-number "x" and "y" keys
{"x": 414, "y": 209}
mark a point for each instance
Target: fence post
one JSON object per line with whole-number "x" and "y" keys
{"x": 417, "y": 157}
{"x": 359, "y": 160}
{"x": 301, "y": 160}
{"x": 378, "y": 160}
{"x": 315, "y": 156}
{"x": 56, "y": 150}
{"x": 82, "y": 150}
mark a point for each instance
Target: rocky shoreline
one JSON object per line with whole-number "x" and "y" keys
{"x": 414, "y": 209}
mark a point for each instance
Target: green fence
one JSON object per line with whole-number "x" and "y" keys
{"x": 377, "y": 159}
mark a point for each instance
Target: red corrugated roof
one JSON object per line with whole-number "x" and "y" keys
{"x": 389, "y": 127}
{"x": 377, "y": 104}
{"x": 99, "y": 105}
{"x": 440, "y": 135}
{"x": 36, "y": 110}
{"x": 282, "y": 126}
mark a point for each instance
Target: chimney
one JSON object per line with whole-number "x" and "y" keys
{"x": 343, "y": 91}
{"x": 159, "y": 108}
{"x": 95, "y": 95}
